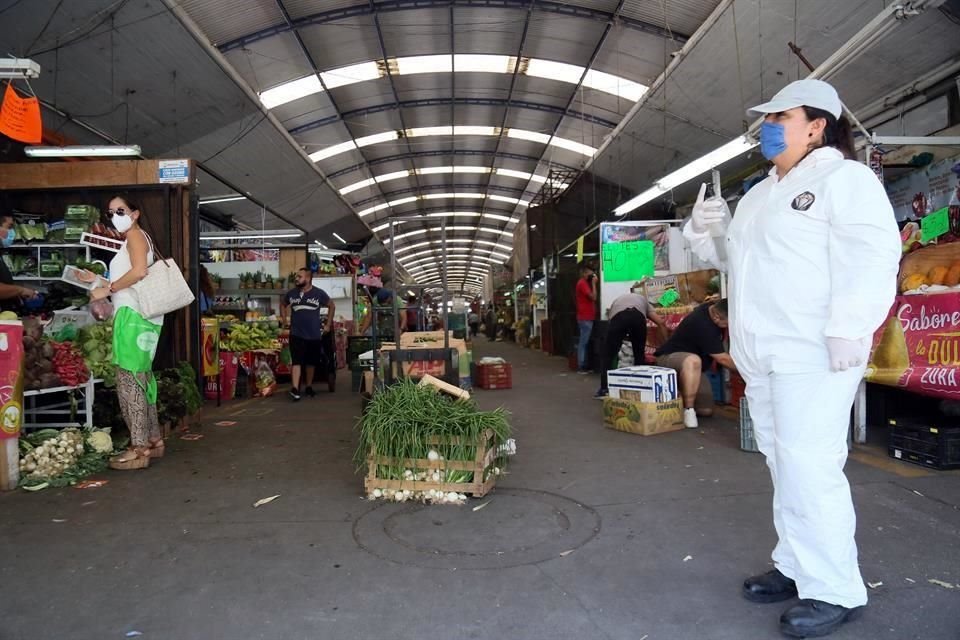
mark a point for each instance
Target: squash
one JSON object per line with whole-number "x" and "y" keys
{"x": 953, "y": 275}
{"x": 938, "y": 275}
{"x": 913, "y": 282}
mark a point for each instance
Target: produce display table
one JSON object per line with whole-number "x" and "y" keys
{"x": 35, "y": 406}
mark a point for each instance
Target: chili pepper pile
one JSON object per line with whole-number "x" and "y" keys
{"x": 68, "y": 364}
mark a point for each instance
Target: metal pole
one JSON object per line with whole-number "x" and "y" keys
{"x": 443, "y": 276}
{"x": 393, "y": 274}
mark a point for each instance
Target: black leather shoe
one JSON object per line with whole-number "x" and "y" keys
{"x": 771, "y": 586}
{"x": 814, "y": 618}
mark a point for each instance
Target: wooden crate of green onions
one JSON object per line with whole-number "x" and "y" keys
{"x": 418, "y": 444}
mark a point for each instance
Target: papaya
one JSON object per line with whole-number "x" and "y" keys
{"x": 953, "y": 275}
{"x": 937, "y": 275}
{"x": 913, "y": 282}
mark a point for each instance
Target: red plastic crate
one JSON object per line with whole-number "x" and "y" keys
{"x": 494, "y": 376}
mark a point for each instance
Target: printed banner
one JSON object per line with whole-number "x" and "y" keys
{"x": 918, "y": 347}
{"x": 11, "y": 379}
{"x": 210, "y": 335}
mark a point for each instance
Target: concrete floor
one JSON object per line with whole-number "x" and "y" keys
{"x": 595, "y": 534}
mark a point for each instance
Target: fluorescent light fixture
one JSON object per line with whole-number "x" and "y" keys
{"x": 333, "y": 150}
{"x": 454, "y": 214}
{"x": 101, "y": 151}
{"x": 251, "y": 235}
{"x": 494, "y": 216}
{"x": 424, "y": 64}
{"x": 393, "y": 176}
{"x": 227, "y": 198}
{"x": 323, "y": 246}
{"x": 423, "y": 132}
{"x": 339, "y": 237}
{"x": 408, "y": 247}
{"x": 463, "y": 62}
{"x": 290, "y": 91}
{"x": 718, "y": 156}
{"x": 19, "y": 68}
{"x": 392, "y": 203}
{"x": 523, "y": 175}
{"x": 351, "y": 74}
{"x": 470, "y": 130}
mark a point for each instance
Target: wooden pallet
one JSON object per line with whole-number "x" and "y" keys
{"x": 486, "y": 454}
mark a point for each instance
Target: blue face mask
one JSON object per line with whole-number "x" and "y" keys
{"x": 9, "y": 238}
{"x": 772, "y": 141}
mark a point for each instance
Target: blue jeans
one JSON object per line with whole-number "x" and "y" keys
{"x": 586, "y": 328}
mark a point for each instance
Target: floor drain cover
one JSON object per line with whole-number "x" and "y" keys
{"x": 517, "y": 527}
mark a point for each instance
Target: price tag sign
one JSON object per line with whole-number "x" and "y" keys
{"x": 631, "y": 260}
{"x": 934, "y": 225}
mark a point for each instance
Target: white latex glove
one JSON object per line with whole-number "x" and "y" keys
{"x": 847, "y": 354}
{"x": 709, "y": 214}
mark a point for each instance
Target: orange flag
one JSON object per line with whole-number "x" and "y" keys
{"x": 20, "y": 117}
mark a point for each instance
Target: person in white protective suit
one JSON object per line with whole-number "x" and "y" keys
{"x": 812, "y": 257}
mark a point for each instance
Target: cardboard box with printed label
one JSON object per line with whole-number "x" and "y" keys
{"x": 643, "y": 384}
{"x": 644, "y": 418}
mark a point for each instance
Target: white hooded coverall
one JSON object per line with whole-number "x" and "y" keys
{"x": 812, "y": 256}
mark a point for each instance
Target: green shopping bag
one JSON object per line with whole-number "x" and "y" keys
{"x": 135, "y": 342}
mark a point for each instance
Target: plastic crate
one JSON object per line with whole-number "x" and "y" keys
{"x": 494, "y": 376}
{"x": 748, "y": 441}
{"x": 936, "y": 447}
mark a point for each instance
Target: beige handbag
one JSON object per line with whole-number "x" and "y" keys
{"x": 164, "y": 289}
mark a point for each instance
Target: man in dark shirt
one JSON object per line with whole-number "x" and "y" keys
{"x": 307, "y": 328}
{"x": 11, "y": 294}
{"x": 692, "y": 349}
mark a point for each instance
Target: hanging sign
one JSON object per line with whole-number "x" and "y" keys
{"x": 918, "y": 347}
{"x": 174, "y": 172}
{"x": 623, "y": 261}
{"x": 20, "y": 117}
{"x": 579, "y": 249}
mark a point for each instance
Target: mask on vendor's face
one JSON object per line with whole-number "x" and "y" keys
{"x": 772, "y": 140}
{"x": 9, "y": 237}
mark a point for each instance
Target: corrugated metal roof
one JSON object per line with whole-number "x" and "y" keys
{"x": 680, "y": 16}
{"x": 224, "y": 20}
{"x": 303, "y": 8}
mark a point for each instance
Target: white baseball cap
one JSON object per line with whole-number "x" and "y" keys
{"x": 802, "y": 93}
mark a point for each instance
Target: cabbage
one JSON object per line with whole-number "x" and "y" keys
{"x": 100, "y": 441}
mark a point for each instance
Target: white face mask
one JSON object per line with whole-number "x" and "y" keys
{"x": 122, "y": 223}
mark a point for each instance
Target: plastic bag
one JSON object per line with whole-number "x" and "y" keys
{"x": 101, "y": 309}
{"x": 265, "y": 380}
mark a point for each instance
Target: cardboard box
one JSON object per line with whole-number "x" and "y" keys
{"x": 643, "y": 384}
{"x": 644, "y": 418}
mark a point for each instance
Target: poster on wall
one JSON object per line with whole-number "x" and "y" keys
{"x": 926, "y": 190}
{"x": 918, "y": 347}
{"x": 630, "y": 252}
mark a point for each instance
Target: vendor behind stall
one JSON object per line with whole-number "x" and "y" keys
{"x": 11, "y": 294}
{"x": 382, "y": 299}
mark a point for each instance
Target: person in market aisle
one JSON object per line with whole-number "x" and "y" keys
{"x": 135, "y": 337}
{"x": 412, "y": 314}
{"x": 205, "y": 299}
{"x": 586, "y": 303}
{"x": 627, "y": 318}
{"x": 695, "y": 345}
{"x": 301, "y": 311}
{"x": 490, "y": 323}
{"x": 473, "y": 319}
{"x": 812, "y": 256}
{"x": 382, "y": 299}
{"x": 11, "y": 294}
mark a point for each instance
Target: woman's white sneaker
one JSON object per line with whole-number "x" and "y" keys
{"x": 690, "y": 418}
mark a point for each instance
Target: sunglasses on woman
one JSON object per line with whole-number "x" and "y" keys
{"x": 119, "y": 211}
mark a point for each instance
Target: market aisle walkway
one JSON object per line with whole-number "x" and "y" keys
{"x": 595, "y": 534}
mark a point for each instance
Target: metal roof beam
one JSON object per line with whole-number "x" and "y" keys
{"x": 386, "y": 6}
{"x": 459, "y": 187}
{"x": 439, "y": 102}
{"x": 441, "y": 152}
{"x": 316, "y": 71}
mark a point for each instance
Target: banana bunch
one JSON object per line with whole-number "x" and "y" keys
{"x": 248, "y": 337}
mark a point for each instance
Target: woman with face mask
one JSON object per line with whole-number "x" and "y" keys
{"x": 135, "y": 338}
{"x": 812, "y": 258}
{"x": 11, "y": 294}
